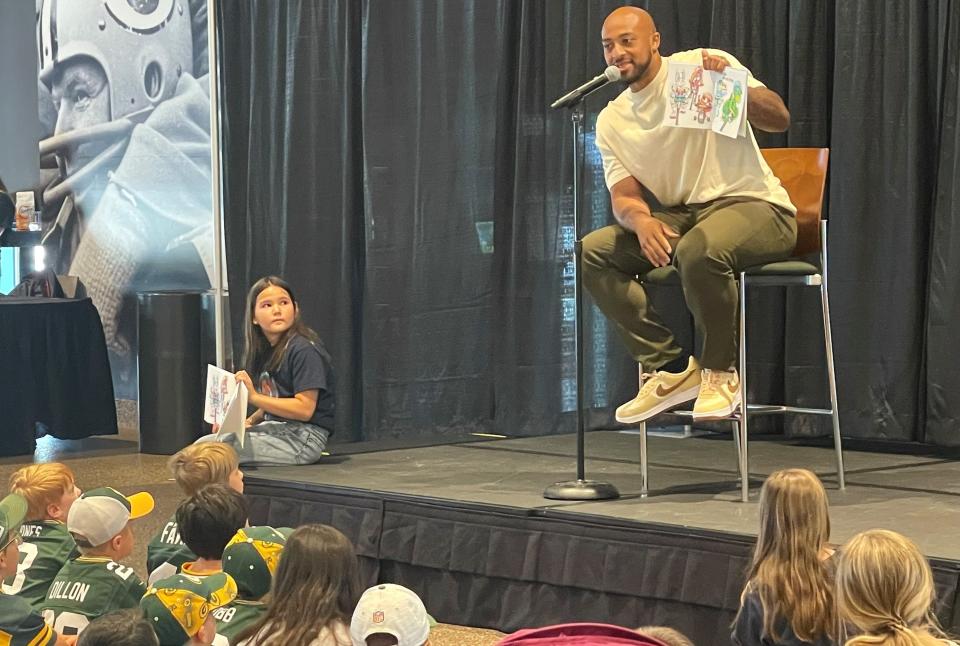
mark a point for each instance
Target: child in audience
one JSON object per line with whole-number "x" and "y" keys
{"x": 193, "y": 468}
{"x": 119, "y": 628}
{"x": 95, "y": 582}
{"x": 885, "y": 591}
{"x": 20, "y": 625}
{"x": 390, "y": 615}
{"x": 251, "y": 558}
{"x": 180, "y": 608}
{"x": 788, "y": 598}
{"x": 289, "y": 377}
{"x": 314, "y": 592}
{"x": 208, "y": 520}
{"x": 198, "y": 465}
{"x": 49, "y": 490}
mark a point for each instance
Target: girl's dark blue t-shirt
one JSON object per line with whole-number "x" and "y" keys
{"x": 305, "y": 366}
{"x": 748, "y": 628}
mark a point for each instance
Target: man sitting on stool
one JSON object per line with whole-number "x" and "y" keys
{"x": 722, "y": 210}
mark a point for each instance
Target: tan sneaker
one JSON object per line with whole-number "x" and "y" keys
{"x": 661, "y": 391}
{"x": 719, "y": 395}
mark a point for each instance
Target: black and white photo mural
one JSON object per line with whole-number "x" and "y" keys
{"x": 125, "y": 154}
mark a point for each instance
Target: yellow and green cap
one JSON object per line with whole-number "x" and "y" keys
{"x": 178, "y": 605}
{"x": 251, "y": 558}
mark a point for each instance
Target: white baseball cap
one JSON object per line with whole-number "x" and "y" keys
{"x": 393, "y": 610}
{"x": 100, "y": 514}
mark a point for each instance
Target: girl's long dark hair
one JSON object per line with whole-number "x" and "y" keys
{"x": 258, "y": 354}
{"x": 316, "y": 585}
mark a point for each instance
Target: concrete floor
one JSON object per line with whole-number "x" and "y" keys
{"x": 692, "y": 480}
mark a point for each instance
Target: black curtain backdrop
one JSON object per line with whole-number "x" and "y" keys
{"x": 396, "y": 160}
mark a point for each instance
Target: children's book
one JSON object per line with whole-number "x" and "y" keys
{"x": 226, "y": 403}
{"x": 706, "y": 100}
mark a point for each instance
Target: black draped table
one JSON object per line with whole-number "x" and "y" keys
{"x": 54, "y": 370}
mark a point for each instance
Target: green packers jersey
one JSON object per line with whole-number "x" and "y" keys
{"x": 88, "y": 587}
{"x": 236, "y": 617}
{"x": 46, "y": 547}
{"x": 21, "y": 625}
{"x": 166, "y": 553}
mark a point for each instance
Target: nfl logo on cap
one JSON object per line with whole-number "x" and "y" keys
{"x": 391, "y": 609}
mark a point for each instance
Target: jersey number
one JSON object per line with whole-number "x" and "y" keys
{"x": 121, "y": 571}
{"x": 67, "y": 623}
{"x": 28, "y": 553}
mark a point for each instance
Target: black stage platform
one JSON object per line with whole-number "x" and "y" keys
{"x": 466, "y": 527}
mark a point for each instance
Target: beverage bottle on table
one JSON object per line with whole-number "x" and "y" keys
{"x": 24, "y": 212}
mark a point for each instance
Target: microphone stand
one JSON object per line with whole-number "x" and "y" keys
{"x": 581, "y": 488}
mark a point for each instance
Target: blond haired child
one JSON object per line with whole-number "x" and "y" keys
{"x": 885, "y": 592}
{"x": 193, "y": 468}
{"x": 50, "y": 490}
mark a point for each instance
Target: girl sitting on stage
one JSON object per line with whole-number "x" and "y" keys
{"x": 294, "y": 395}
{"x": 788, "y": 598}
{"x": 885, "y": 591}
{"x": 314, "y": 592}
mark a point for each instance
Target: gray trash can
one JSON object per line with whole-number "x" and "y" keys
{"x": 176, "y": 342}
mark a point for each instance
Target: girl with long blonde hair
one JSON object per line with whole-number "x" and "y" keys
{"x": 885, "y": 592}
{"x": 788, "y": 597}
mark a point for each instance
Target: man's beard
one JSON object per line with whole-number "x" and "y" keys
{"x": 639, "y": 69}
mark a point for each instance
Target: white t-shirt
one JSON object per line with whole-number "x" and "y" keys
{"x": 681, "y": 165}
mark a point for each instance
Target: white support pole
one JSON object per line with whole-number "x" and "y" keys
{"x": 219, "y": 283}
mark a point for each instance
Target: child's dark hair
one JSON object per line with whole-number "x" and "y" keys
{"x": 258, "y": 354}
{"x": 119, "y": 628}
{"x": 208, "y": 519}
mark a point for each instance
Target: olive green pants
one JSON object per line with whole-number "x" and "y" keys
{"x": 717, "y": 241}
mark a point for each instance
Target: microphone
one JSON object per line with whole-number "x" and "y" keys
{"x": 610, "y": 75}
